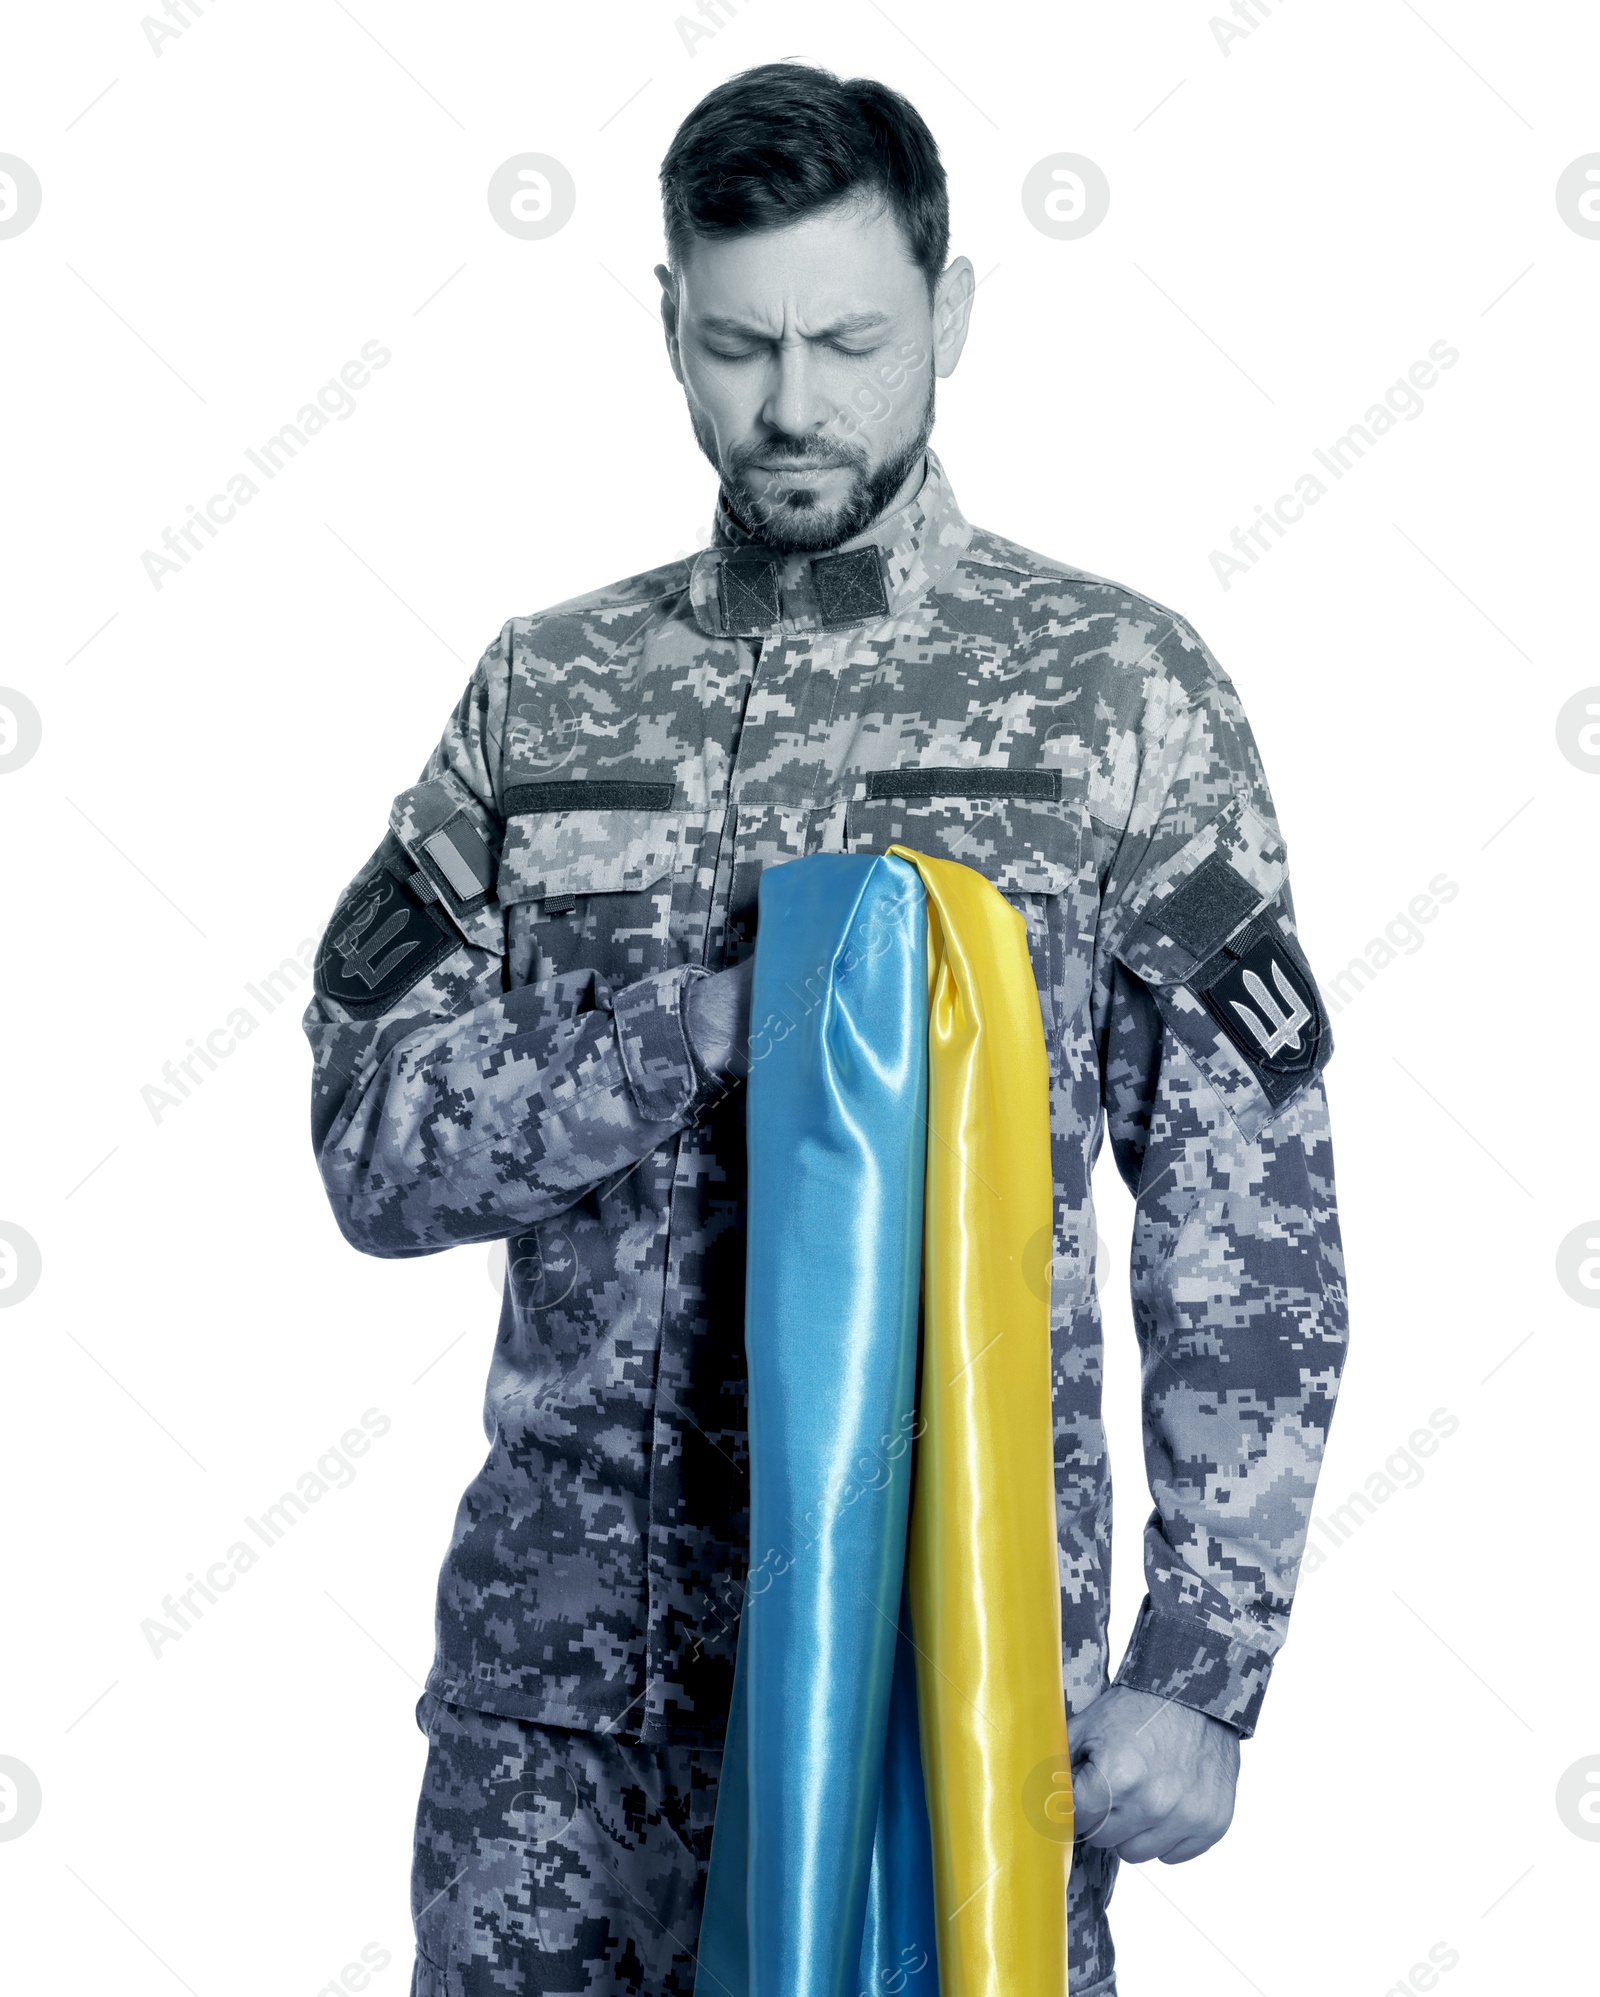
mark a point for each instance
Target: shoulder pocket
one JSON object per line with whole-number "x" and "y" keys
{"x": 453, "y": 846}
{"x": 1216, "y": 944}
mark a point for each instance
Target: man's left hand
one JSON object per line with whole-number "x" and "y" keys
{"x": 1150, "y": 1778}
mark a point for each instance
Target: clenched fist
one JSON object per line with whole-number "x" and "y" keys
{"x": 1151, "y": 1779}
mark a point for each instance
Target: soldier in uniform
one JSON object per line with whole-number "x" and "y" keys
{"x": 531, "y": 1023}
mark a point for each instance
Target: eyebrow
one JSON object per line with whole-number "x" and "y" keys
{"x": 855, "y": 322}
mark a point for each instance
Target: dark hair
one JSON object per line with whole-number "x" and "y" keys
{"x": 776, "y": 143}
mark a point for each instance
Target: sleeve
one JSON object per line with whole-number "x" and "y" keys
{"x": 1212, "y": 1040}
{"x": 445, "y": 1107}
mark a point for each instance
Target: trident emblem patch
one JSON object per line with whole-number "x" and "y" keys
{"x": 1261, "y": 997}
{"x": 358, "y": 951}
{"x": 380, "y": 943}
{"x": 1284, "y": 1028}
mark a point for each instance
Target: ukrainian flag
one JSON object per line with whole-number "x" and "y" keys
{"x": 895, "y": 1811}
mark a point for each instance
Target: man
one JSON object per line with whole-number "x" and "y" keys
{"x": 532, "y": 1017}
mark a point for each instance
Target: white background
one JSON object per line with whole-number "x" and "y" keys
{"x": 1293, "y": 222}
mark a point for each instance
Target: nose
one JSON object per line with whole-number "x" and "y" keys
{"x": 795, "y": 403}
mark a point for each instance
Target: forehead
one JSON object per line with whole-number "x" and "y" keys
{"x": 841, "y": 262}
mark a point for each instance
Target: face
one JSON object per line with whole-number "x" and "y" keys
{"x": 808, "y": 357}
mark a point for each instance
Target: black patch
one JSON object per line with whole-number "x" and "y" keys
{"x": 382, "y": 940}
{"x": 850, "y": 587}
{"x": 593, "y": 794}
{"x": 1262, "y": 996}
{"x": 1043, "y": 786}
{"x": 560, "y": 904}
{"x": 748, "y": 593}
{"x": 1213, "y": 900}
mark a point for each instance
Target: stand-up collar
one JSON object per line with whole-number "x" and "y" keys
{"x": 739, "y": 589}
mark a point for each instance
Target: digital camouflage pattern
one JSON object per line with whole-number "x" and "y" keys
{"x": 501, "y": 1050}
{"x": 556, "y": 1862}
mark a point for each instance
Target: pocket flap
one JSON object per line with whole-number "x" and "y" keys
{"x": 587, "y": 852}
{"x": 1024, "y": 848}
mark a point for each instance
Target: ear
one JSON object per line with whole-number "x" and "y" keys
{"x": 669, "y": 316}
{"x": 952, "y": 313}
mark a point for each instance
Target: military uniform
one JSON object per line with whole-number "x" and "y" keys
{"x": 503, "y": 1050}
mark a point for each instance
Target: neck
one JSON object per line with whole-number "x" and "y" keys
{"x": 907, "y": 490}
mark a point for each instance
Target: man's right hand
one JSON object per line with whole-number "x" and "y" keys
{"x": 719, "y": 1020}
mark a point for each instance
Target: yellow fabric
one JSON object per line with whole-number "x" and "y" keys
{"x": 985, "y": 1600}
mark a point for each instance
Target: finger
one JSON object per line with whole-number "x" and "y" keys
{"x": 1093, "y": 1802}
{"x": 1176, "y": 1835}
{"x": 1126, "y": 1822}
{"x": 1144, "y": 1845}
{"x": 1190, "y": 1847}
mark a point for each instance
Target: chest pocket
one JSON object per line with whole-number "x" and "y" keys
{"x": 1010, "y": 827}
{"x": 586, "y": 880}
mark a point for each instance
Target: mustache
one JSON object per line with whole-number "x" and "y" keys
{"x": 809, "y": 453}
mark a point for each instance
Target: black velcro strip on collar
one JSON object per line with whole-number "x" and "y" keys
{"x": 1034, "y": 786}
{"x": 748, "y": 593}
{"x": 590, "y": 794}
{"x": 850, "y": 587}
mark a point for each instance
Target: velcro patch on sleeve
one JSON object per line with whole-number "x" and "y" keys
{"x": 1259, "y": 992}
{"x": 383, "y": 940}
{"x": 1213, "y": 900}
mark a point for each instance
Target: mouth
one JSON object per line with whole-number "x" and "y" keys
{"x": 777, "y": 458}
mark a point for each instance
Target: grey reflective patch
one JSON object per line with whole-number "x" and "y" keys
{"x": 451, "y": 850}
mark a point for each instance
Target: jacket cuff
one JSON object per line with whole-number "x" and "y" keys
{"x": 1183, "y": 1659}
{"x": 662, "y": 1075}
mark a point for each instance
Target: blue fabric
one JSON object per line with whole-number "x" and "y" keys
{"x": 898, "y": 1950}
{"x": 812, "y": 1812}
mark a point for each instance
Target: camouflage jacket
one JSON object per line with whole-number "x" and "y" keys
{"x": 501, "y": 1051}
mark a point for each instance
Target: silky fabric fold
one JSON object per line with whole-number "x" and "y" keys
{"x": 836, "y": 1130}
{"x": 984, "y": 1575}
{"x": 899, "y": 1956}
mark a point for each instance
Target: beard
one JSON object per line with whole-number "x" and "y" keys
{"x": 789, "y": 518}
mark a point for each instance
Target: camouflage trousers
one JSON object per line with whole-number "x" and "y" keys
{"x": 557, "y": 1862}
{"x": 553, "y": 1861}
